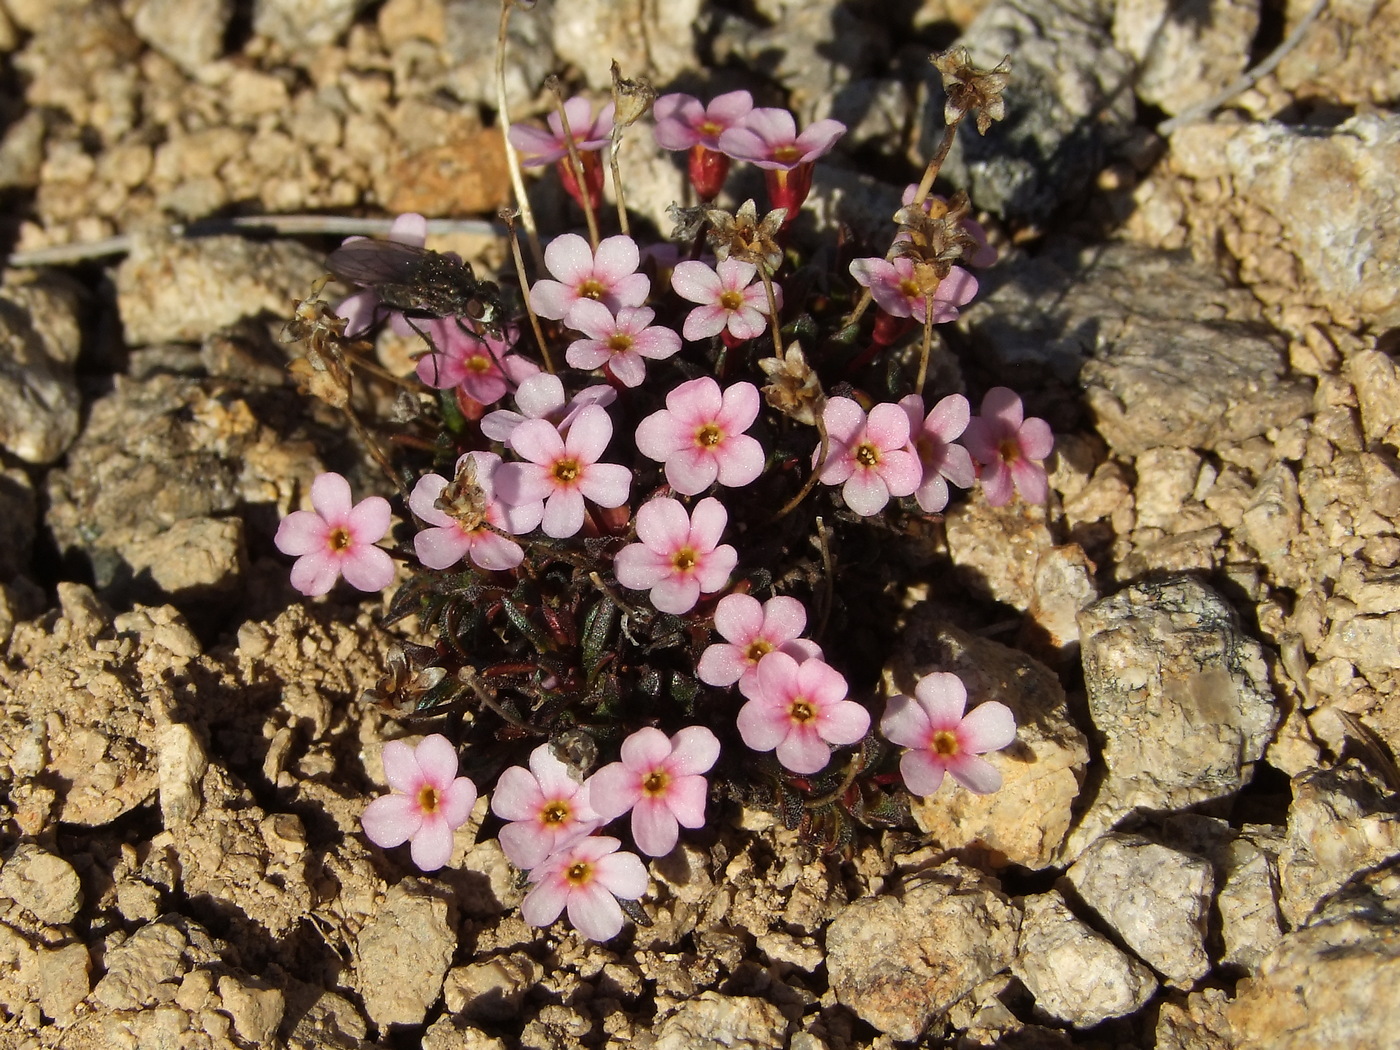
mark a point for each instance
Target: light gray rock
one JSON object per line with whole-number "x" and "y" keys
{"x": 900, "y": 962}
{"x": 1349, "y": 56}
{"x": 181, "y": 290}
{"x": 151, "y": 959}
{"x": 1303, "y": 206}
{"x": 42, "y": 883}
{"x": 256, "y": 1008}
{"x": 39, "y": 343}
{"x": 1067, "y": 104}
{"x": 188, "y": 32}
{"x": 1155, "y": 898}
{"x": 471, "y": 41}
{"x": 1332, "y": 982}
{"x": 1248, "y": 898}
{"x": 1076, "y": 974}
{"x": 299, "y": 25}
{"x": 490, "y": 990}
{"x": 1341, "y": 822}
{"x": 403, "y": 953}
{"x": 712, "y": 1021}
{"x": 655, "y": 40}
{"x": 1187, "y": 52}
{"x": 1025, "y": 822}
{"x": 1181, "y": 696}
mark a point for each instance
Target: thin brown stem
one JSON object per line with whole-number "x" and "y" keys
{"x": 525, "y": 285}
{"x": 622, "y": 223}
{"x": 517, "y": 181}
{"x": 811, "y": 481}
{"x": 927, "y": 347}
{"x": 772, "y": 311}
{"x": 585, "y": 199}
{"x": 853, "y": 767}
{"x": 936, "y": 161}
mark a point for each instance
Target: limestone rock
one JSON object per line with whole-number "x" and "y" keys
{"x": 901, "y": 962}
{"x": 403, "y": 954}
{"x": 721, "y": 1022}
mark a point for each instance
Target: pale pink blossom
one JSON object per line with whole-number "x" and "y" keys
{"x": 538, "y": 147}
{"x": 942, "y": 739}
{"x": 751, "y": 631}
{"x": 621, "y": 343}
{"x": 429, "y": 801}
{"x": 457, "y": 531}
{"x": 728, "y": 297}
{"x": 541, "y": 396}
{"x": 660, "y": 781}
{"x": 336, "y": 539}
{"x": 586, "y": 878}
{"x": 768, "y": 138}
{"x": 561, "y": 470}
{"x": 363, "y": 309}
{"x": 869, "y": 458}
{"x": 940, "y": 459}
{"x": 700, "y": 437}
{"x": 684, "y": 122}
{"x": 895, "y": 290}
{"x": 798, "y": 710}
{"x": 679, "y": 556}
{"x": 608, "y": 276}
{"x": 480, "y": 365}
{"x": 1009, "y": 448}
{"x": 546, "y": 807}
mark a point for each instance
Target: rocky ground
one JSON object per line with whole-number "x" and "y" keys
{"x": 1198, "y": 843}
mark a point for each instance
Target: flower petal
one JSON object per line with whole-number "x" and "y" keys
{"x": 391, "y": 820}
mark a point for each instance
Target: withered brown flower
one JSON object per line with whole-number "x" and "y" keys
{"x": 970, "y": 88}
{"x": 794, "y": 389}
{"x": 743, "y": 236}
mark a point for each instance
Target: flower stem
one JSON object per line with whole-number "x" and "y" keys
{"x": 517, "y": 181}
{"x": 585, "y": 199}
{"x": 525, "y": 285}
{"x": 791, "y": 504}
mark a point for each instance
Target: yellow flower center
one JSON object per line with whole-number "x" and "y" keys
{"x": 787, "y": 154}
{"x": 592, "y": 288}
{"x": 867, "y": 455}
{"x": 801, "y": 710}
{"x": 579, "y": 873}
{"x": 909, "y": 289}
{"x": 428, "y": 800}
{"x": 566, "y": 471}
{"x": 656, "y": 782}
{"x": 339, "y": 539}
{"x": 731, "y": 299}
{"x": 478, "y": 363}
{"x": 685, "y": 559}
{"x": 619, "y": 342}
{"x": 556, "y": 812}
{"x": 757, "y": 650}
{"x": 709, "y": 436}
{"x": 945, "y": 743}
{"x": 1009, "y": 449}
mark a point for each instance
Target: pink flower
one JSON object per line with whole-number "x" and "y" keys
{"x": 727, "y": 298}
{"x": 941, "y": 460}
{"x": 678, "y": 559}
{"x": 871, "y": 458}
{"x": 751, "y": 631}
{"x": 659, "y": 781}
{"x": 546, "y": 807}
{"x": 542, "y": 397}
{"x": 363, "y": 309}
{"x": 684, "y": 122}
{"x": 586, "y": 878}
{"x": 895, "y": 291}
{"x": 538, "y": 147}
{"x": 609, "y": 276}
{"x": 798, "y": 709}
{"x": 429, "y": 801}
{"x": 768, "y": 138}
{"x": 479, "y": 365}
{"x": 563, "y": 469}
{"x": 619, "y": 343}
{"x": 337, "y": 539}
{"x": 985, "y": 255}
{"x": 700, "y": 437}
{"x": 941, "y": 738}
{"x": 1009, "y": 448}
{"x": 459, "y": 519}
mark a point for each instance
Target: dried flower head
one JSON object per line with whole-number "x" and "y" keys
{"x": 969, "y": 88}
{"x": 687, "y": 222}
{"x": 322, "y": 372}
{"x": 935, "y": 234}
{"x": 743, "y": 236}
{"x": 794, "y": 390}
{"x": 631, "y": 99}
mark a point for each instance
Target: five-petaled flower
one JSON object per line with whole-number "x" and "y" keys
{"x": 608, "y": 276}
{"x": 660, "y": 781}
{"x": 547, "y": 809}
{"x": 337, "y": 539}
{"x": 585, "y": 877}
{"x": 539, "y": 147}
{"x": 679, "y": 556}
{"x": 869, "y": 458}
{"x": 728, "y": 298}
{"x": 1009, "y": 448}
{"x": 798, "y": 709}
{"x": 429, "y": 801}
{"x": 700, "y": 437}
{"x": 751, "y": 631}
{"x": 479, "y": 365}
{"x": 685, "y": 123}
{"x": 896, "y": 289}
{"x": 769, "y": 139}
{"x": 463, "y": 513}
{"x": 542, "y": 397}
{"x": 942, "y": 739}
{"x": 618, "y": 344}
{"x": 940, "y": 459}
{"x": 563, "y": 469}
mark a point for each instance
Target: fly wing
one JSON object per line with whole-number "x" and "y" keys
{"x": 366, "y": 262}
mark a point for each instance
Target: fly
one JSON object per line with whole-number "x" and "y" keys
{"x": 417, "y": 281}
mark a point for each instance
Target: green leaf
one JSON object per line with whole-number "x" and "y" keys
{"x": 597, "y": 631}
